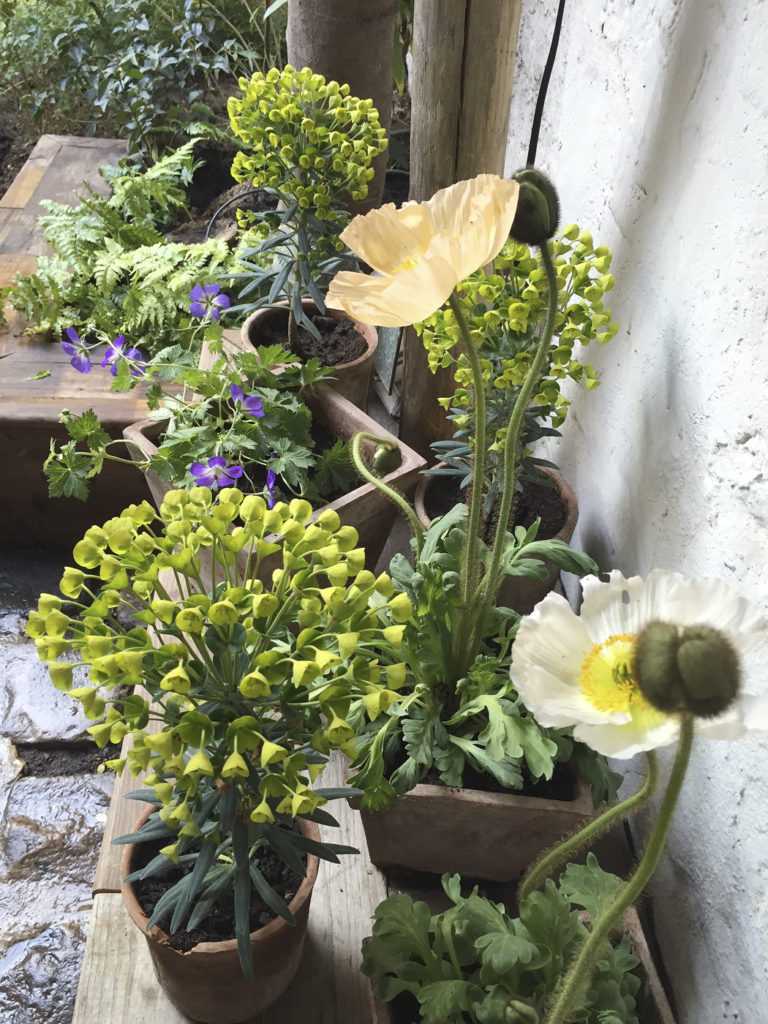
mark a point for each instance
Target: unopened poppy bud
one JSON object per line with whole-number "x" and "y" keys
{"x": 520, "y": 1013}
{"x": 693, "y": 668}
{"x": 538, "y": 208}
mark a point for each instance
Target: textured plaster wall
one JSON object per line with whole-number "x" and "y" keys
{"x": 656, "y": 133}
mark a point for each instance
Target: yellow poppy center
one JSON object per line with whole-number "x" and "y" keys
{"x": 606, "y": 675}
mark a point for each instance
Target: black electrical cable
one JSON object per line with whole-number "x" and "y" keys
{"x": 229, "y": 202}
{"x": 533, "y": 145}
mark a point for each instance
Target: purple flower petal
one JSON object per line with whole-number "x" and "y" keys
{"x": 68, "y": 348}
{"x": 233, "y": 472}
{"x": 118, "y": 343}
{"x": 81, "y": 363}
{"x": 254, "y": 405}
{"x": 211, "y": 289}
{"x": 197, "y": 468}
{"x": 217, "y": 460}
{"x": 197, "y": 294}
{"x": 72, "y": 334}
{"x": 214, "y": 313}
{"x": 197, "y": 309}
{"x": 271, "y": 478}
{"x": 222, "y": 301}
{"x": 236, "y": 392}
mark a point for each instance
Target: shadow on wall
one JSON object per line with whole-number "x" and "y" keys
{"x": 618, "y": 547}
{"x": 663, "y": 172}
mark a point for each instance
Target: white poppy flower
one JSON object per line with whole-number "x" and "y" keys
{"x": 576, "y": 670}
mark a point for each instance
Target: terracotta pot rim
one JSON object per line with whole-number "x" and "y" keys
{"x": 566, "y": 492}
{"x": 263, "y": 934}
{"x": 369, "y": 334}
{"x": 582, "y": 798}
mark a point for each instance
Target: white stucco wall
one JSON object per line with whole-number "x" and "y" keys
{"x": 656, "y": 132}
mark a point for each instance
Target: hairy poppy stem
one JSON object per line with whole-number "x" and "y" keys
{"x": 580, "y": 971}
{"x": 490, "y": 584}
{"x": 552, "y": 860}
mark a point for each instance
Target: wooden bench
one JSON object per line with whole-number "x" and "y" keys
{"x": 57, "y": 169}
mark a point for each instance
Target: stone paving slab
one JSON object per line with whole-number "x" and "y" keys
{"x": 50, "y": 831}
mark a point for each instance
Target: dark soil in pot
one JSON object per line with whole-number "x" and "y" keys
{"x": 562, "y": 785}
{"x": 219, "y": 925}
{"x": 340, "y": 341}
{"x": 537, "y": 500}
{"x": 239, "y": 197}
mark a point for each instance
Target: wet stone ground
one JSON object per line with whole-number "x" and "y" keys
{"x": 53, "y": 807}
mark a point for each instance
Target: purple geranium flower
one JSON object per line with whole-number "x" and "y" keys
{"x": 117, "y": 351}
{"x": 251, "y": 403}
{"x": 208, "y": 300}
{"x": 271, "y": 481}
{"x": 215, "y": 473}
{"x": 78, "y": 350}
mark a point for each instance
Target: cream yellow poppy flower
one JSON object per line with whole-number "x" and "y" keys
{"x": 576, "y": 670}
{"x": 421, "y": 251}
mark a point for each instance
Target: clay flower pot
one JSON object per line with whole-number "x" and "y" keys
{"x": 365, "y": 508}
{"x": 352, "y": 379}
{"x": 518, "y": 592}
{"x": 206, "y": 983}
{"x": 479, "y": 834}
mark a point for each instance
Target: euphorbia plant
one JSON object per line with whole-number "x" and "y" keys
{"x": 461, "y": 709}
{"x": 311, "y": 145}
{"x": 252, "y": 686}
{"x": 504, "y": 304}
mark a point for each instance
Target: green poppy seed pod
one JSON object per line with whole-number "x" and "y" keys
{"x": 694, "y": 668}
{"x": 538, "y": 208}
{"x": 520, "y": 1013}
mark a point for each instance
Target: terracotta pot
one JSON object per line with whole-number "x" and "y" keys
{"x": 365, "y": 507}
{"x": 479, "y": 834}
{"x": 518, "y": 592}
{"x": 654, "y": 1007}
{"x": 352, "y": 379}
{"x": 207, "y": 982}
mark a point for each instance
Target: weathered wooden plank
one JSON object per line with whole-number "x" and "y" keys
{"x": 117, "y": 982}
{"x": 58, "y": 168}
{"x": 23, "y": 186}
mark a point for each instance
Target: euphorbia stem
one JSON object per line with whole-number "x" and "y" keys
{"x": 472, "y": 544}
{"x": 580, "y": 971}
{"x": 513, "y": 435}
{"x": 552, "y": 860}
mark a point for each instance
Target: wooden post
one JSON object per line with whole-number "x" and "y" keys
{"x": 349, "y": 41}
{"x": 463, "y": 59}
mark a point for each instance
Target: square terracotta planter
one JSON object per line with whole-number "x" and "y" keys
{"x": 365, "y": 507}
{"x": 654, "y": 1007}
{"x": 493, "y": 836}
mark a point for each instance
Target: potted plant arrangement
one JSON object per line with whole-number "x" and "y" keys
{"x": 640, "y": 668}
{"x": 461, "y": 746}
{"x": 504, "y": 308}
{"x": 245, "y": 691}
{"x": 311, "y": 146}
{"x": 257, "y": 419}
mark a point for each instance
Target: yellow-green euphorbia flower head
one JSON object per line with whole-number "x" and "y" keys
{"x": 421, "y": 251}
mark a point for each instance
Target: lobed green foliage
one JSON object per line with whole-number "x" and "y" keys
{"x": 449, "y": 724}
{"x": 475, "y": 963}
